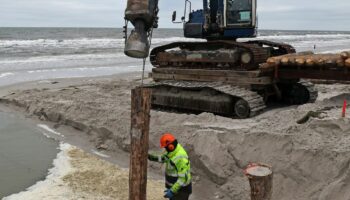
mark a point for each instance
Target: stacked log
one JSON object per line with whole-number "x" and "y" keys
{"x": 308, "y": 60}
{"x": 345, "y": 55}
{"x": 347, "y": 62}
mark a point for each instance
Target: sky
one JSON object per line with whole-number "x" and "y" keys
{"x": 272, "y": 14}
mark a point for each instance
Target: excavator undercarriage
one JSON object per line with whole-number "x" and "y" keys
{"x": 222, "y": 77}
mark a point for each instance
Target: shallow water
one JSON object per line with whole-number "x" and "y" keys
{"x": 25, "y": 154}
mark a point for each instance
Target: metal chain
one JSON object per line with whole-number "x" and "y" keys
{"x": 143, "y": 71}
{"x": 150, "y": 35}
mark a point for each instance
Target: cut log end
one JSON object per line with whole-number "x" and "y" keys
{"x": 260, "y": 179}
{"x": 259, "y": 171}
{"x": 347, "y": 62}
{"x": 345, "y": 55}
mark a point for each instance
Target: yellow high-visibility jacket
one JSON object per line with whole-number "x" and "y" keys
{"x": 177, "y": 169}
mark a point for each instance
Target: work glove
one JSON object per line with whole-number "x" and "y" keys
{"x": 155, "y": 158}
{"x": 168, "y": 194}
{"x": 152, "y": 157}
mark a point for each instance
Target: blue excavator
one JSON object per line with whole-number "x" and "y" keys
{"x": 218, "y": 74}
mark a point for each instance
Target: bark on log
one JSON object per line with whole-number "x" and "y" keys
{"x": 340, "y": 63}
{"x": 310, "y": 62}
{"x": 260, "y": 179}
{"x": 266, "y": 67}
{"x": 308, "y": 59}
{"x": 139, "y": 133}
{"x": 300, "y": 61}
{"x": 274, "y": 61}
{"x": 321, "y": 62}
{"x": 285, "y": 61}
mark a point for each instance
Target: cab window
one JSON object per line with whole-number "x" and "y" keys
{"x": 239, "y": 12}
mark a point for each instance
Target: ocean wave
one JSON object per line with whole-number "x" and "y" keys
{"x": 336, "y": 51}
{"x": 60, "y": 43}
{"x": 79, "y": 42}
{"x": 6, "y": 74}
{"x": 68, "y": 57}
{"x": 106, "y": 43}
{"x": 96, "y": 43}
{"x": 306, "y": 37}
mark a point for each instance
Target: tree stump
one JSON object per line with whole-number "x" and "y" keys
{"x": 260, "y": 179}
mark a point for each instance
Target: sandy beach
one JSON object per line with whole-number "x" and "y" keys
{"x": 310, "y": 159}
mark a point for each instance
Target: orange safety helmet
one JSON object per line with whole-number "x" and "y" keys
{"x": 166, "y": 139}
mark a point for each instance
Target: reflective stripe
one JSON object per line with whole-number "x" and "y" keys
{"x": 179, "y": 157}
{"x": 172, "y": 174}
{"x": 168, "y": 183}
{"x": 182, "y": 175}
{"x": 159, "y": 158}
{"x": 181, "y": 182}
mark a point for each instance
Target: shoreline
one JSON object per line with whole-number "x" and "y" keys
{"x": 69, "y": 138}
{"x": 97, "y": 111}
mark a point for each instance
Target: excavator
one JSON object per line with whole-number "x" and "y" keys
{"x": 219, "y": 74}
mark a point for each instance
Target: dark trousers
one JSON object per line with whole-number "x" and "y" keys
{"x": 181, "y": 196}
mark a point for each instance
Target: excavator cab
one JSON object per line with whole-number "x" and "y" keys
{"x": 222, "y": 19}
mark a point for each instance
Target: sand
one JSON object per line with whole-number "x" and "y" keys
{"x": 310, "y": 160}
{"x": 79, "y": 175}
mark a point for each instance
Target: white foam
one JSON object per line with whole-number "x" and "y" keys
{"x": 99, "y": 153}
{"x": 305, "y": 37}
{"x": 47, "y": 128}
{"x": 336, "y": 51}
{"x": 42, "y": 189}
{"x": 6, "y": 74}
{"x": 46, "y": 135}
{"x": 56, "y": 58}
{"x": 82, "y": 42}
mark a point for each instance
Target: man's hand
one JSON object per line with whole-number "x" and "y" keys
{"x": 157, "y": 158}
{"x": 168, "y": 194}
{"x": 152, "y": 157}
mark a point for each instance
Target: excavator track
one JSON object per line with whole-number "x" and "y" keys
{"x": 220, "y": 54}
{"x": 234, "y": 55}
{"x": 298, "y": 93}
{"x": 310, "y": 87}
{"x": 280, "y": 48}
{"x": 219, "y": 98}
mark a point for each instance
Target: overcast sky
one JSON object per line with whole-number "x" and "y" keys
{"x": 273, "y": 14}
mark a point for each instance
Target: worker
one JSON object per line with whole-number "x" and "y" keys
{"x": 178, "y": 169}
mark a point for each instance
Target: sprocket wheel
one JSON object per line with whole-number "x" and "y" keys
{"x": 242, "y": 109}
{"x": 299, "y": 94}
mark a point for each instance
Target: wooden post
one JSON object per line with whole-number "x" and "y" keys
{"x": 139, "y": 132}
{"x": 260, "y": 179}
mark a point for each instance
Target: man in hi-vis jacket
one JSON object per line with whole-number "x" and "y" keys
{"x": 178, "y": 169}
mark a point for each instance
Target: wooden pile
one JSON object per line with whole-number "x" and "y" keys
{"x": 308, "y": 60}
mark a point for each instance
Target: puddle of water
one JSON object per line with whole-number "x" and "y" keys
{"x": 25, "y": 154}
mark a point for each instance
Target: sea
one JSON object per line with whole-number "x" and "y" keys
{"x": 35, "y": 54}
{"x": 28, "y": 54}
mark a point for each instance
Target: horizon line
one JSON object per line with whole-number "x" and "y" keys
{"x": 83, "y": 27}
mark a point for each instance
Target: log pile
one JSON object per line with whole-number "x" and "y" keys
{"x": 308, "y": 60}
